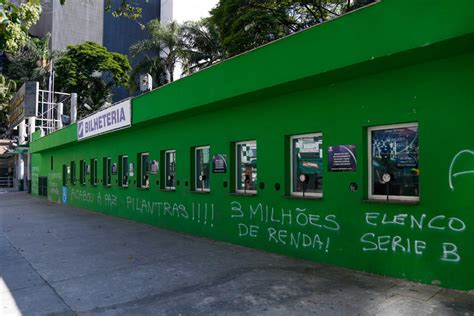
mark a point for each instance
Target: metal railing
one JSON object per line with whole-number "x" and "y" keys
{"x": 6, "y": 182}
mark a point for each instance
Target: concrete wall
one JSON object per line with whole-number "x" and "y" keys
{"x": 77, "y": 22}
{"x": 73, "y": 23}
{"x": 45, "y": 23}
{"x": 166, "y": 10}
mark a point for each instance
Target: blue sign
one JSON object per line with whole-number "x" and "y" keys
{"x": 342, "y": 158}
{"x": 64, "y": 194}
{"x": 219, "y": 163}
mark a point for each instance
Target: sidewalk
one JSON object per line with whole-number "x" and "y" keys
{"x": 58, "y": 260}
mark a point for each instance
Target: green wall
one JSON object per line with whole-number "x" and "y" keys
{"x": 430, "y": 84}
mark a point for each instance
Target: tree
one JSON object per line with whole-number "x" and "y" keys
{"x": 91, "y": 71}
{"x": 247, "y": 24}
{"x": 162, "y": 50}
{"x": 194, "y": 45}
{"x": 202, "y": 45}
{"x": 32, "y": 62}
{"x": 7, "y": 91}
{"x": 15, "y": 21}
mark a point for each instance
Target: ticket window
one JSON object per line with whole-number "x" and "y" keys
{"x": 123, "y": 171}
{"x": 82, "y": 172}
{"x": 202, "y": 169}
{"x": 144, "y": 170}
{"x": 107, "y": 174}
{"x": 307, "y": 165}
{"x": 393, "y": 162}
{"x": 170, "y": 170}
{"x": 246, "y": 164}
{"x": 93, "y": 171}
{"x": 73, "y": 172}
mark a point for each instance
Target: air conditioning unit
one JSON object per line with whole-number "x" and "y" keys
{"x": 146, "y": 83}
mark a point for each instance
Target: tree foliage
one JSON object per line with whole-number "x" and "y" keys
{"x": 246, "y": 24}
{"x": 164, "y": 44}
{"x": 7, "y": 91}
{"x": 194, "y": 45}
{"x": 32, "y": 62}
{"x": 202, "y": 46}
{"x": 15, "y": 21}
{"x": 91, "y": 71}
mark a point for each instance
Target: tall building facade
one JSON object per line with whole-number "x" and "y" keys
{"x": 73, "y": 23}
{"x": 78, "y": 21}
{"x": 119, "y": 33}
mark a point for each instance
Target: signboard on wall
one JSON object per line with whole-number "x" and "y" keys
{"x": 219, "y": 163}
{"x": 24, "y": 103}
{"x": 154, "y": 167}
{"x": 116, "y": 117}
{"x": 342, "y": 158}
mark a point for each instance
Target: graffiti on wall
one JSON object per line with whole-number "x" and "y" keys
{"x": 312, "y": 230}
{"x": 83, "y": 196}
{"x": 300, "y": 228}
{"x": 371, "y": 242}
{"x": 100, "y": 199}
{"x": 34, "y": 180}
{"x": 106, "y": 199}
{"x": 54, "y": 188}
{"x": 201, "y": 213}
{"x": 452, "y": 175}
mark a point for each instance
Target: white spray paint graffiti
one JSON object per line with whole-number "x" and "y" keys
{"x": 34, "y": 179}
{"x": 457, "y": 174}
{"x": 110, "y": 200}
{"x": 54, "y": 189}
{"x": 274, "y": 218}
{"x": 372, "y": 242}
{"x": 450, "y": 252}
{"x": 201, "y": 213}
{"x": 82, "y": 196}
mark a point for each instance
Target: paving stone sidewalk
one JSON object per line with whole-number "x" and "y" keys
{"x": 62, "y": 260}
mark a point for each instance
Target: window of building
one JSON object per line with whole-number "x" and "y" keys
{"x": 307, "y": 165}
{"x": 64, "y": 175}
{"x": 202, "y": 169}
{"x": 82, "y": 172}
{"x": 52, "y": 163}
{"x": 123, "y": 171}
{"x": 393, "y": 162}
{"x": 246, "y": 176}
{"x": 144, "y": 170}
{"x": 94, "y": 171}
{"x": 107, "y": 174}
{"x": 73, "y": 172}
{"x": 170, "y": 170}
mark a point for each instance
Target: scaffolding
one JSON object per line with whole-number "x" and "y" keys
{"x": 51, "y": 107}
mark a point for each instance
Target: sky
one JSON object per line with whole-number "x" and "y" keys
{"x": 192, "y": 10}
